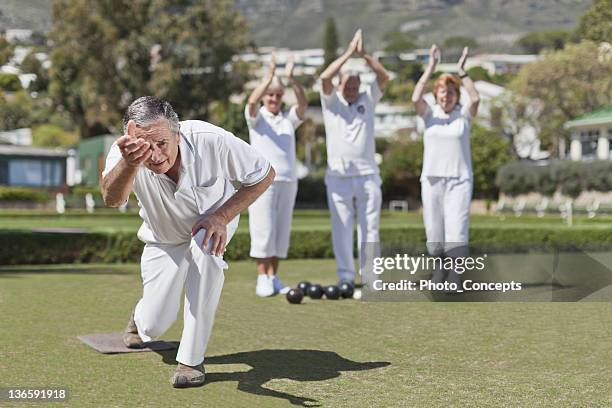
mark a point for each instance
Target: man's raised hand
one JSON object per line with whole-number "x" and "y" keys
{"x": 355, "y": 41}
{"x": 272, "y": 66}
{"x": 135, "y": 151}
{"x": 289, "y": 67}
{"x": 360, "y": 49}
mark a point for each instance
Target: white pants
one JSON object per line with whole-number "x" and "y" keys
{"x": 270, "y": 220}
{"x": 348, "y": 197}
{"x": 446, "y": 213}
{"x": 166, "y": 270}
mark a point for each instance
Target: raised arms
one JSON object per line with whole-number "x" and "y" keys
{"x": 468, "y": 83}
{"x": 260, "y": 90}
{"x": 333, "y": 68}
{"x": 419, "y": 89}
{"x": 302, "y": 102}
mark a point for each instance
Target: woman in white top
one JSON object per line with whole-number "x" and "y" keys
{"x": 446, "y": 178}
{"x": 272, "y": 133}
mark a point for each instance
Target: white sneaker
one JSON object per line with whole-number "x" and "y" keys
{"x": 265, "y": 286}
{"x": 279, "y": 287}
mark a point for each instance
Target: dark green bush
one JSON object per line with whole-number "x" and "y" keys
{"x": 18, "y": 247}
{"x": 23, "y": 194}
{"x": 311, "y": 191}
{"x": 569, "y": 177}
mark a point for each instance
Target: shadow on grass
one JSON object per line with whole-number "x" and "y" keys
{"x": 267, "y": 365}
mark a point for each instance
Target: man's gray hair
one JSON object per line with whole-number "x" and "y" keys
{"x": 148, "y": 109}
{"x": 276, "y": 83}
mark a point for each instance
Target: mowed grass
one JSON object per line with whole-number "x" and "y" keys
{"x": 109, "y": 221}
{"x": 268, "y": 353}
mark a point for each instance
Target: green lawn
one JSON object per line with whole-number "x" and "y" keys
{"x": 268, "y": 353}
{"x": 106, "y": 221}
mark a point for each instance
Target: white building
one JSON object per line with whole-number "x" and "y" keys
{"x": 591, "y": 135}
{"x": 500, "y": 63}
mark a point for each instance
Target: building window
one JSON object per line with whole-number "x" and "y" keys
{"x": 588, "y": 140}
{"x": 35, "y": 173}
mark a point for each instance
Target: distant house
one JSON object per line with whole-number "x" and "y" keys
{"x": 500, "y": 63}
{"x": 591, "y": 135}
{"x": 27, "y": 166}
{"x": 92, "y": 155}
{"x": 391, "y": 119}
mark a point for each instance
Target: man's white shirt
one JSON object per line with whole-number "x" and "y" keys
{"x": 274, "y": 137}
{"x": 212, "y": 159}
{"x": 350, "y": 132}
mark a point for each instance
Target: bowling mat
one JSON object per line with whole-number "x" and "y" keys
{"x": 112, "y": 343}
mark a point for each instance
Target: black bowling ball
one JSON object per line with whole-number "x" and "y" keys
{"x": 346, "y": 290}
{"x": 303, "y": 286}
{"x": 315, "y": 291}
{"x": 295, "y": 296}
{"x": 332, "y": 292}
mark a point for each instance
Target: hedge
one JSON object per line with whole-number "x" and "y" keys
{"x": 23, "y": 194}
{"x": 568, "y": 177}
{"x": 21, "y": 247}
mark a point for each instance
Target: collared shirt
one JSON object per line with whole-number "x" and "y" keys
{"x": 211, "y": 159}
{"x": 447, "y": 142}
{"x": 274, "y": 137}
{"x": 349, "y": 129}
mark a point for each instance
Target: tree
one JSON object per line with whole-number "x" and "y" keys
{"x": 9, "y": 82}
{"x": 31, "y": 64}
{"x": 330, "y": 42}
{"x": 490, "y": 151}
{"x": 536, "y": 41}
{"x": 15, "y": 111}
{"x": 563, "y": 85}
{"x": 401, "y": 168}
{"x": 397, "y": 42}
{"x": 596, "y": 23}
{"x": 197, "y": 42}
{"x": 52, "y": 136}
{"x": 180, "y": 50}
{"x": 6, "y": 50}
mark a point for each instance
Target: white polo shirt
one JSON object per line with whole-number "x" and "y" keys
{"x": 273, "y": 136}
{"x": 447, "y": 143}
{"x": 349, "y": 129}
{"x": 211, "y": 159}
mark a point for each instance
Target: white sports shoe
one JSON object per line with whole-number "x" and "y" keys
{"x": 279, "y": 287}
{"x": 265, "y": 285}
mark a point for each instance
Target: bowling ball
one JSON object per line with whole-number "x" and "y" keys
{"x": 346, "y": 290}
{"x": 295, "y": 296}
{"x": 315, "y": 291}
{"x": 332, "y": 292}
{"x": 303, "y": 286}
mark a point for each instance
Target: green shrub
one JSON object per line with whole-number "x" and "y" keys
{"x": 19, "y": 247}
{"x": 10, "y": 82}
{"x": 23, "y": 194}
{"x": 53, "y": 136}
{"x": 311, "y": 190}
{"x": 569, "y": 177}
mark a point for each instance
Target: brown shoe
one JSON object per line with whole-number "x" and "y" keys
{"x": 131, "y": 339}
{"x": 187, "y": 376}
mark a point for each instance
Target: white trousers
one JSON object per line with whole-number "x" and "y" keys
{"x": 446, "y": 213}
{"x": 166, "y": 270}
{"x": 350, "y": 197}
{"x": 270, "y": 220}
